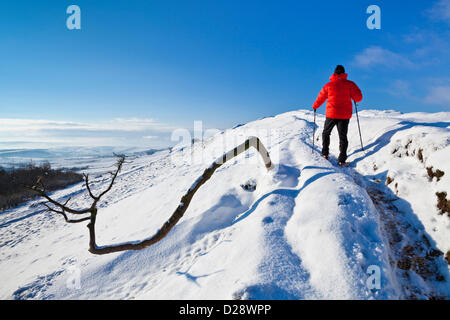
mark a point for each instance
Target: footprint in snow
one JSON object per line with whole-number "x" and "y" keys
{"x": 267, "y": 220}
{"x": 250, "y": 185}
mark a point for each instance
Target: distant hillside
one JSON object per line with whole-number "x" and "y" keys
{"x": 13, "y": 182}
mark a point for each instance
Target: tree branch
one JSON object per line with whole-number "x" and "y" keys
{"x": 65, "y": 216}
{"x": 86, "y": 179}
{"x": 119, "y": 165}
{"x": 174, "y": 218}
{"x": 184, "y": 203}
{"x": 43, "y": 194}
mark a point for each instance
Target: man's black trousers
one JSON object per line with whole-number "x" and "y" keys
{"x": 342, "y": 127}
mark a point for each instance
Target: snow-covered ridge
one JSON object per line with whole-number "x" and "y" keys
{"x": 310, "y": 230}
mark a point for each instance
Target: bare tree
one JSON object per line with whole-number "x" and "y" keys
{"x": 90, "y": 214}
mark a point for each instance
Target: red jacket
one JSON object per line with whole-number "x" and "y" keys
{"x": 339, "y": 93}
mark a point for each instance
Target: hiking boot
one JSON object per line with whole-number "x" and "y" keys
{"x": 325, "y": 156}
{"x": 342, "y": 163}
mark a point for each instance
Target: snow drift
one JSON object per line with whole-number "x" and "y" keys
{"x": 309, "y": 230}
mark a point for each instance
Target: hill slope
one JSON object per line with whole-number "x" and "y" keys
{"x": 310, "y": 230}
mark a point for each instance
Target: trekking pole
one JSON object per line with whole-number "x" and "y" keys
{"x": 359, "y": 128}
{"x": 314, "y": 131}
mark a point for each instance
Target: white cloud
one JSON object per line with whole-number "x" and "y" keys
{"x": 440, "y": 11}
{"x": 116, "y": 132}
{"x": 375, "y": 55}
{"x": 130, "y": 125}
{"x": 439, "y": 95}
{"x": 400, "y": 88}
{"x": 50, "y": 141}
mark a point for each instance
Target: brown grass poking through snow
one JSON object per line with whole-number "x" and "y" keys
{"x": 443, "y": 204}
{"x": 389, "y": 180}
{"x": 438, "y": 173}
{"x": 420, "y": 155}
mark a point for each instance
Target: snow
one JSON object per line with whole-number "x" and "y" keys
{"x": 413, "y": 132}
{"x": 310, "y": 229}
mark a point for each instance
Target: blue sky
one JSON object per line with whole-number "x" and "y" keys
{"x": 138, "y": 69}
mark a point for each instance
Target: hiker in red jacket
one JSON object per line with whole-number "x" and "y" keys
{"x": 339, "y": 93}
